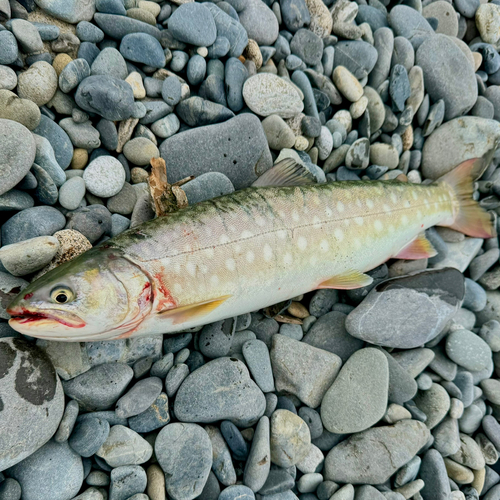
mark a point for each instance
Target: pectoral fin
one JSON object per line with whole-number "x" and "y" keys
{"x": 193, "y": 311}
{"x": 419, "y": 248}
{"x": 347, "y": 281}
{"x": 285, "y": 173}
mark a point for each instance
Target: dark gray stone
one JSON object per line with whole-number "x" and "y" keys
{"x": 92, "y": 221}
{"x": 58, "y": 138}
{"x": 184, "y": 452}
{"x": 198, "y": 112}
{"x": 8, "y": 47}
{"x": 107, "y": 96}
{"x": 155, "y": 110}
{"x": 215, "y": 339}
{"x": 117, "y": 26}
{"x": 199, "y": 398}
{"x": 153, "y": 418}
{"x": 88, "y": 436}
{"x": 32, "y": 222}
{"x": 403, "y": 300}
{"x": 207, "y": 186}
{"x": 399, "y": 87}
{"x": 100, "y": 387}
{"x": 36, "y": 473}
{"x": 259, "y": 22}
{"x": 402, "y": 386}
{"x": 235, "y": 75}
{"x": 433, "y": 473}
{"x": 111, "y": 7}
{"x": 448, "y": 74}
{"x": 140, "y": 397}
{"x": 108, "y": 134}
{"x": 259, "y": 363}
{"x": 88, "y": 32}
{"x": 228, "y": 28}
{"x": 143, "y": 48}
{"x": 196, "y": 69}
{"x": 237, "y": 148}
{"x": 234, "y": 440}
{"x": 371, "y": 15}
{"x": 357, "y": 56}
{"x": 308, "y": 46}
{"x": 46, "y": 190}
{"x": 111, "y": 63}
{"x": 295, "y": 14}
{"x": 191, "y": 23}
{"x": 126, "y": 481}
{"x": 88, "y": 51}
{"x": 171, "y": 90}
{"x": 219, "y": 48}
{"x": 329, "y": 333}
{"x": 15, "y": 200}
{"x": 409, "y": 23}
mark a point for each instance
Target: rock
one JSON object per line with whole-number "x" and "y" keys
{"x": 100, "y": 387}
{"x": 303, "y": 370}
{"x": 17, "y": 154}
{"x": 139, "y": 398}
{"x": 143, "y": 48}
{"x": 222, "y": 461}
{"x": 92, "y": 221}
{"x": 72, "y": 11}
{"x": 27, "y": 35}
{"x": 236, "y": 492}
{"x": 266, "y": 94}
{"x": 9, "y": 50}
{"x": 58, "y": 138}
{"x": 290, "y": 438}
{"x": 72, "y": 193}
{"x": 88, "y": 32}
{"x": 409, "y": 23}
{"x": 184, "y": 452}
{"x": 488, "y": 22}
{"x": 140, "y": 151}
{"x": 213, "y": 142}
{"x": 235, "y": 76}
{"x": 435, "y": 403}
{"x": 28, "y": 256}
{"x": 347, "y": 83}
{"x": 166, "y": 127}
{"x": 257, "y": 358}
{"x": 36, "y": 473}
{"x": 32, "y": 222}
{"x": 207, "y": 186}
{"x": 329, "y": 333}
{"x": 197, "y": 112}
{"x": 38, "y": 83}
{"x": 308, "y": 46}
{"x": 362, "y": 386}
{"x": 433, "y": 472}
{"x": 152, "y": 418}
{"x": 82, "y": 135}
{"x": 295, "y": 14}
{"x": 126, "y": 482}
{"x": 369, "y": 320}
{"x": 31, "y": 395}
{"x": 107, "y": 96}
{"x": 124, "y": 447}
{"x": 23, "y": 111}
{"x": 104, "y": 176}
{"x": 117, "y": 26}
{"x": 191, "y": 23}
{"x": 402, "y": 386}
{"x": 468, "y": 350}
{"x": 321, "y": 20}
{"x": 88, "y": 436}
{"x": 259, "y": 22}
{"x": 384, "y": 154}
{"x": 447, "y": 437}
{"x": 15, "y": 200}
{"x": 259, "y": 459}
{"x": 447, "y": 75}
{"x": 199, "y": 398}
{"x": 46, "y": 159}
{"x": 372, "y": 456}
{"x": 73, "y": 73}
{"x": 110, "y": 62}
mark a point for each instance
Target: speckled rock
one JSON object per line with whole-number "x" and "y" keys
{"x": 38, "y": 83}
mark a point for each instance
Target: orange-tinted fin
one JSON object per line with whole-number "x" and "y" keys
{"x": 186, "y": 313}
{"x": 419, "y": 248}
{"x": 285, "y": 173}
{"x": 347, "y": 281}
{"x": 470, "y": 219}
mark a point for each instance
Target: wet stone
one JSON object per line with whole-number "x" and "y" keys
{"x": 139, "y": 397}
{"x": 88, "y": 436}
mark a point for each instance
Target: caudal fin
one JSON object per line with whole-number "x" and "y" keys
{"x": 471, "y": 219}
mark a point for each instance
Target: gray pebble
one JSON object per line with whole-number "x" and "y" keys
{"x": 126, "y": 481}
{"x": 67, "y": 422}
{"x": 176, "y": 375}
{"x": 88, "y": 436}
{"x": 257, "y": 358}
{"x": 139, "y": 397}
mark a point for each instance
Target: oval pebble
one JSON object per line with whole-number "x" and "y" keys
{"x": 104, "y": 176}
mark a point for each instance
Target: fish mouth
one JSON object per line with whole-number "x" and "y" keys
{"x": 23, "y": 319}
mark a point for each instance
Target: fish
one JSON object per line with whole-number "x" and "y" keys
{"x": 245, "y": 251}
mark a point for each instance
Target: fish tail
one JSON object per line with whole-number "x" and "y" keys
{"x": 470, "y": 218}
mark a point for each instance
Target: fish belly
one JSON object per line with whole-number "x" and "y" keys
{"x": 265, "y": 245}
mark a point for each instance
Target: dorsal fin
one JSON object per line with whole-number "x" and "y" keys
{"x": 285, "y": 173}
{"x": 419, "y": 248}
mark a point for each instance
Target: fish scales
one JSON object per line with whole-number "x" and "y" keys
{"x": 282, "y": 241}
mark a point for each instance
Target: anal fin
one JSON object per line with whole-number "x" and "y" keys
{"x": 192, "y": 311}
{"x": 347, "y": 281}
{"x": 287, "y": 172}
{"x": 419, "y": 248}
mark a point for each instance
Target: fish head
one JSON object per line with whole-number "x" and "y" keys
{"x": 97, "y": 296}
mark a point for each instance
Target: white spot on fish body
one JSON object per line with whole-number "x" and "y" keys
{"x": 359, "y": 221}
{"x": 378, "y": 225}
{"x": 357, "y": 243}
{"x": 328, "y": 212}
{"x": 386, "y": 207}
{"x": 191, "y": 268}
{"x": 415, "y": 195}
{"x": 250, "y": 256}
{"x": 358, "y": 203}
{"x": 260, "y": 221}
{"x": 369, "y": 203}
{"x": 407, "y": 204}
{"x": 268, "y": 252}
{"x": 209, "y": 252}
{"x": 288, "y": 259}
{"x": 391, "y": 228}
{"x": 230, "y": 264}
{"x": 295, "y": 215}
{"x": 340, "y": 206}
{"x": 347, "y": 222}
{"x": 324, "y": 246}
{"x": 177, "y": 288}
{"x": 301, "y": 243}
{"x": 281, "y": 234}
{"x": 224, "y": 239}
{"x": 394, "y": 197}
{"x": 404, "y": 219}
{"x": 246, "y": 234}
{"x": 214, "y": 280}
{"x": 419, "y": 214}
{"x": 339, "y": 234}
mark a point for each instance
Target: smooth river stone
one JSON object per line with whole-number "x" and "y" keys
{"x": 362, "y": 386}
{"x": 374, "y": 455}
{"x": 31, "y": 398}
{"x": 16, "y": 154}
{"x": 267, "y": 94}
{"x": 220, "y": 390}
{"x": 409, "y": 311}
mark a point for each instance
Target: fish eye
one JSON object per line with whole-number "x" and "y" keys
{"x": 62, "y": 295}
